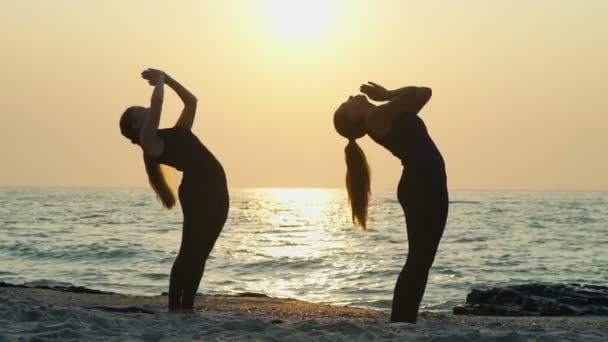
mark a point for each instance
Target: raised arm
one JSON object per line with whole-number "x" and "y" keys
{"x": 402, "y": 101}
{"x": 186, "y": 119}
{"x": 149, "y": 140}
{"x": 408, "y": 100}
{"x": 378, "y": 93}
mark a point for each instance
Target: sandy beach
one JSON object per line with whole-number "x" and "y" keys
{"x": 49, "y": 315}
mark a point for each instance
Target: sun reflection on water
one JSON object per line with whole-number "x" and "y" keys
{"x": 303, "y": 218}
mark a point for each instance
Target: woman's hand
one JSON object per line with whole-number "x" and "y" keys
{"x": 375, "y": 91}
{"x": 153, "y": 76}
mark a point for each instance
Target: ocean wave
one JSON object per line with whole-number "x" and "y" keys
{"x": 287, "y": 263}
{"x": 374, "y": 304}
{"x": 464, "y": 202}
{"x": 81, "y": 253}
{"x": 470, "y": 239}
{"x": 154, "y": 276}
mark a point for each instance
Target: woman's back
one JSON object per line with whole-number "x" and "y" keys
{"x": 185, "y": 152}
{"x": 409, "y": 140}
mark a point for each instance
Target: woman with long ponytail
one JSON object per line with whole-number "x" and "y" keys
{"x": 357, "y": 182}
{"x": 422, "y": 190}
{"x": 203, "y": 192}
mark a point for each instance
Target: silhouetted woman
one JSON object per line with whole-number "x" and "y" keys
{"x": 203, "y": 192}
{"x": 422, "y": 190}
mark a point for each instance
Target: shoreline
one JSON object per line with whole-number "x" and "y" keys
{"x": 255, "y": 305}
{"x": 258, "y": 306}
{"x": 50, "y": 314}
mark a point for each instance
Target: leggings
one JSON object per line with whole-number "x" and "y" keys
{"x": 205, "y": 209}
{"x": 424, "y": 199}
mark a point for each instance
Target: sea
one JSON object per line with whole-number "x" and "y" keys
{"x": 301, "y": 243}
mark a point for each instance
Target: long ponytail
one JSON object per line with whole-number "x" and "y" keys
{"x": 159, "y": 183}
{"x": 357, "y": 182}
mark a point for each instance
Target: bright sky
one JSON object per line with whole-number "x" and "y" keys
{"x": 519, "y": 86}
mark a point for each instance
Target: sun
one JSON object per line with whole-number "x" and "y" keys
{"x": 300, "y": 20}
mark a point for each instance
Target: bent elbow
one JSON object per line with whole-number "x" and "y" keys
{"x": 189, "y": 99}
{"x": 424, "y": 95}
{"x": 426, "y": 92}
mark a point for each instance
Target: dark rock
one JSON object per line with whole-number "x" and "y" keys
{"x": 537, "y": 300}
{"x": 573, "y": 301}
{"x": 252, "y": 294}
{"x": 460, "y": 310}
{"x": 71, "y": 288}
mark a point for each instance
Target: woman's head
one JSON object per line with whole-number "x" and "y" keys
{"x": 349, "y": 121}
{"x": 131, "y": 122}
{"x": 349, "y": 118}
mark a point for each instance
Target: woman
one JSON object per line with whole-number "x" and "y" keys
{"x": 203, "y": 193}
{"x": 422, "y": 190}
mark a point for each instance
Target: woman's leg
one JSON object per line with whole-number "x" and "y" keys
{"x": 204, "y": 225}
{"x": 197, "y": 258}
{"x": 180, "y": 269}
{"x": 176, "y": 281}
{"x": 426, "y": 213}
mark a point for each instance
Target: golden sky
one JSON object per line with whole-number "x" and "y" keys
{"x": 519, "y": 87}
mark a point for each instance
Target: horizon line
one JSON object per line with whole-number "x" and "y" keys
{"x": 2, "y": 186}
